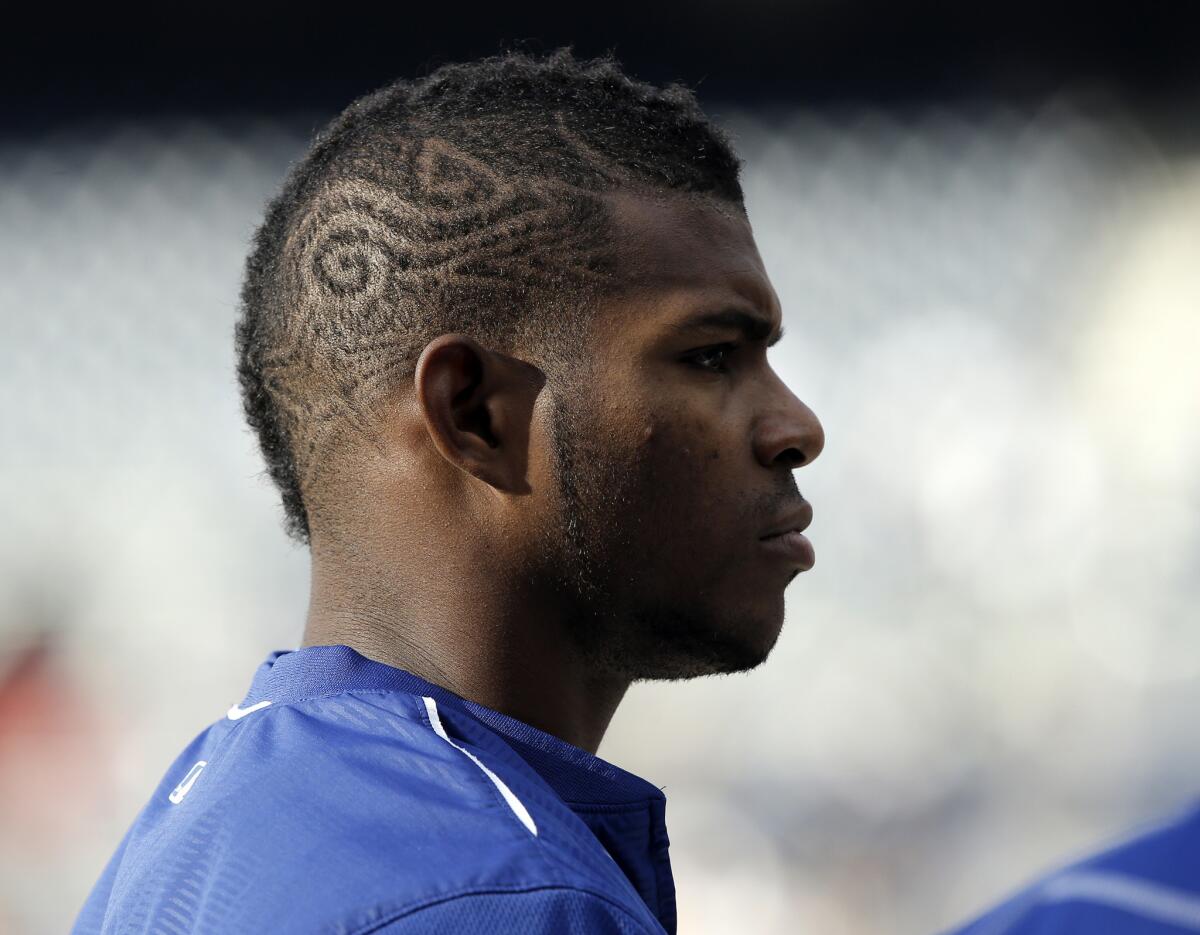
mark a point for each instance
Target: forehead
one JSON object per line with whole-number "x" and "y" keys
{"x": 681, "y": 251}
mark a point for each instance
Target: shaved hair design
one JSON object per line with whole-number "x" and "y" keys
{"x": 466, "y": 201}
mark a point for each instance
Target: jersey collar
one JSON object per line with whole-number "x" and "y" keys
{"x": 577, "y": 776}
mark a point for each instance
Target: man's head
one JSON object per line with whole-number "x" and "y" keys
{"x": 463, "y": 349}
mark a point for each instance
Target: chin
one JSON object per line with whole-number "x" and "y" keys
{"x": 673, "y": 644}
{"x": 703, "y": 654}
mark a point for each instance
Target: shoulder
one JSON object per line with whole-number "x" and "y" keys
{"x": 1148, "y": 883}
{"x": 548, "y": 909}
{"x": 341, "y": 810}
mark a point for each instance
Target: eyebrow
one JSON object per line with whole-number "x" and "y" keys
{"x": 753, "y": 327}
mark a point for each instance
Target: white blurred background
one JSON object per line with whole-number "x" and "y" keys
{"x": 995, "y": 663}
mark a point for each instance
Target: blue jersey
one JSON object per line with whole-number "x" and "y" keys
{"x": 1149, "y": 885}
{"x": 342, "y": 795}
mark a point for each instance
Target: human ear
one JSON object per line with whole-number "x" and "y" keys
{"x": 478, "y": 405}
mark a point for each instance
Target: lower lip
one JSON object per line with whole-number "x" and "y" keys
{"x": 793, "y": 546}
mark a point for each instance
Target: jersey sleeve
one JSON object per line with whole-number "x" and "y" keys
{"x": 544, "y": 911}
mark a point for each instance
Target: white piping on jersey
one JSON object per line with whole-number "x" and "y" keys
{"x": 185, "y": 784}
{"x": 513, "y": 802}
{"x": 235, "y": 712}
{"x": 1139, "y": 897}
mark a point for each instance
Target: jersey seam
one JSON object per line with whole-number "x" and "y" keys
{"x": 638, "y": 804}
{"x": 609, "y": 808}
{"x": 634, "y": 805}
{"x": 497, "y": 797}
{"x": 418, "y": 906}
{"x": 280, "y": 704}
{"x": 417, "y": 715}
{"x": 420, "y": 716}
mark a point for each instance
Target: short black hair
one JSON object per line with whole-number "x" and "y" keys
{"x": 465, "y": 201}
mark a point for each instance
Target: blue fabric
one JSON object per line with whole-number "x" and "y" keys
{"x": 339, "y": 808}
{"x": 1147, "y": 885}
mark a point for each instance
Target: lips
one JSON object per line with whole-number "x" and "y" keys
{"x": 796, "y": 519}
{"x": 792, "y": 547}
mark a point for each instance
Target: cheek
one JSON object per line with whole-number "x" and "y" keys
{"x": 681, "y": 466}
{"x": 683, "y": 515}
{"x": 693, "y": 443}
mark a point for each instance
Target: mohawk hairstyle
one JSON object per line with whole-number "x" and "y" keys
{"x": 466, "y": 201}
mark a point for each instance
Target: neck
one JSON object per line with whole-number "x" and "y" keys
{"x": 509, "y": 650}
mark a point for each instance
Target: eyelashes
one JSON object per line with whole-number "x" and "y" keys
{"x": 724, "y": 350}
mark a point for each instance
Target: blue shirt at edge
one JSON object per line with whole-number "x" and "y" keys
{"x": 345, "y": 795}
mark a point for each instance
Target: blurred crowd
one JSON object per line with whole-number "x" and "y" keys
{"x": 993, "y": 665}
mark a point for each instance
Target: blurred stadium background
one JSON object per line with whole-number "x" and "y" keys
{"x": 991, "y": 285}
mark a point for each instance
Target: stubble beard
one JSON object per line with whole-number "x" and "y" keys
{"x": 619, "y": 629}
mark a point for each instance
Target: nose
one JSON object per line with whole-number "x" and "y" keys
{"x": 790, "y": 433}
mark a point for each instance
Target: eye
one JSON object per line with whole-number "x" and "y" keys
{"x": 720, "y": 351}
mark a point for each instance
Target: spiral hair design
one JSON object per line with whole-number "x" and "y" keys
{"x": 467, "y": 201}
